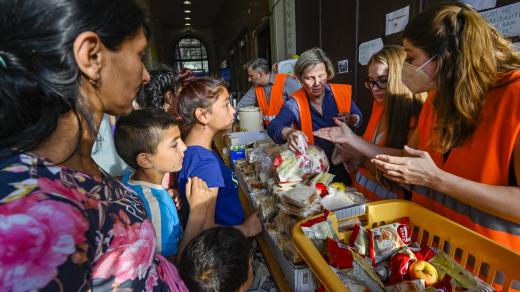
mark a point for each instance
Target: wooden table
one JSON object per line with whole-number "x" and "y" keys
{"x": 272, "y": 263}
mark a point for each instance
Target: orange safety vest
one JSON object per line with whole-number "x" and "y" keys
{"x": 484, "y": 157}
{"x": 342, "y": 95}
{"x": 364, "y": 180}
{"x": 270, "y": 111}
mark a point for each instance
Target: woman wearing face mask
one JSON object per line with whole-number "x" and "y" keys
{"x": 67, "y": 225}
{"x": 393, "y": 120}
{"x": 204, "y": 109}
{"x": 314, "y": 106}
{"x": 468, "y": 165}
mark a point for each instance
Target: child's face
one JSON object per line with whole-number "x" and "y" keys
{"x": 222, "y": 113}
{"x": 170, "y": 152}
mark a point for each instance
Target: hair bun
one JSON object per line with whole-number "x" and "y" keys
{"x": 185, "y": 76}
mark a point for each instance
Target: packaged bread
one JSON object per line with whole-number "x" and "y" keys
{"x": 300, "y": 196}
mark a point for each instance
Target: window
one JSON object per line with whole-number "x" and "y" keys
{"x": 191, "y": 53}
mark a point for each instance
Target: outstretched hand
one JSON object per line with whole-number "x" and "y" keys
{"x": 339, "y": 134}
{"x": 416, "y": 168}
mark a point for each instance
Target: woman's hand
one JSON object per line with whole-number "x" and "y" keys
{"x": 291, "y": 136}
{"x": 252, "y": 226}
{"x": 416, "y": 168}
{"x": 340, "y": 134}
{"x": 198, "y": 194}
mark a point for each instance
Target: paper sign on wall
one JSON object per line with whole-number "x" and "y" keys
{"x": 367, "y": 49}
{"x": 343, "y": 66}
{"x": 397, "y": 20}
{"x": 481, "y": 4}
{"x": 506, "y": 19}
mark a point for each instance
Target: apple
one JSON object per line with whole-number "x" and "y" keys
{"x": 423, "y": 270}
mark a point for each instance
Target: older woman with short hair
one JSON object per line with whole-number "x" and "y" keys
{"x": 314, "y": 106}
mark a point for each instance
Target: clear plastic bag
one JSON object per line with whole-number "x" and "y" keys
{"x": 290, "y": 165}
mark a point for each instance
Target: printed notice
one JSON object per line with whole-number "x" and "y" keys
{"x": 343, "y": 66}
{"x": 367, "y": 49}
{"x": 506, "y": 19}
{"x": 481, "y": 4}
{"x": 397, "y": 20}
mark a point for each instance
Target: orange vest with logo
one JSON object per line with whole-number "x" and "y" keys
{"x": 342, "y": 95}
{"x": 270, "y": 111}
{"x": 484, "y": 157}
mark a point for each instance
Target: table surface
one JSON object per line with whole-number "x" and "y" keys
{"x": 272, "y": 263}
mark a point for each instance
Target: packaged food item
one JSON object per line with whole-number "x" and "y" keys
{"x": 301, "y": 212}
{"x": 318, "y": 230}
{"x": 339, "y": 255}
{"x": 386, "y": 239}
{"x": 267, "y": 208}
{"x": 300, "y": 196}
{"x": 398, "y": 265}
{"x": 359, "y": 240}
{"x": 337, "y": 200}
{"x": 288, "y": 249}
{"x": 322, "y": 177}
{"x": 464, "y": 279}
{"x": 289, "y": 165}
{"x": 407, "y": 286}
{"x": 284, "y": 223}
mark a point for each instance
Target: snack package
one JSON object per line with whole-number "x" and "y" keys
{"x": 445, "y": 265}
{"x": 386, "y": 239}
{"x": 398, "y": 265}
{"x": 290, "y": 166}
{"x": 322, "y": 177}
{"x": 352, "y": 285}
{"x": 407, "y": 286}
{"x": 313, "y": 209}
{"x": 359, "y": 240}
{"x": 288, "y": 249}
{"x": 267, "y": 208}
{"x": 318, "y": 230}
{"x": 300, "y": 196}
{"x": 284, "y": 223}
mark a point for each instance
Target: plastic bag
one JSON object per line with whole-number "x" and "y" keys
{"x": 290, "y": 166}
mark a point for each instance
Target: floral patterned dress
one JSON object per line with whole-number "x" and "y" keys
{"x": 63, "y": 230}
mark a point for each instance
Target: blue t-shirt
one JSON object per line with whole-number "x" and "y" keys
{"x": 208, "y": 166}
{"x": 161, "y": 210}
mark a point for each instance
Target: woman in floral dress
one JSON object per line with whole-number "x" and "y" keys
{"x": 65, "y": 225}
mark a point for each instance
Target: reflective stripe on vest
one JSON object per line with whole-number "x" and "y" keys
{"x": 270, "y": 111}
{"x": 342, "y": 96}
{"x": 485, "y": 157}
{"x": 505, "y": 232}
{"x": 372, "y": 189}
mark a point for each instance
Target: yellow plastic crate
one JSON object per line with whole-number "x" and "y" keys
{"x": 427, "y": 227}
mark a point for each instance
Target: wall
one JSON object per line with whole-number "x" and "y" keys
{"x": 340, "y": 26}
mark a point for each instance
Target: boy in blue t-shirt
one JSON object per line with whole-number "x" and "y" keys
{"x": 149, "y": 141}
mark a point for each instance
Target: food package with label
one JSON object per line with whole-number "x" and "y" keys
{"x": 290, "y": 166}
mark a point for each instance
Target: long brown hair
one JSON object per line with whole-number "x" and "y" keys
{"x": 472, "y": 56}
{"x": 400, "y": 104}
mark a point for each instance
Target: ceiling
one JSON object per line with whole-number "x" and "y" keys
{"x": 170, "y": 13}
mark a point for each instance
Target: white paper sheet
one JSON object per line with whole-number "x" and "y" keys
{"x": 397, "y": 20}
{"x": 367, "y": 49}
{"x": 506, "y": 19}
{"x": 481, "y": 4}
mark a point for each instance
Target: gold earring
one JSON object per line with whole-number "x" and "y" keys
{"x": 95, "y": 83}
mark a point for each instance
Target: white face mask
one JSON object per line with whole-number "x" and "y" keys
{"x": 415, "y": 78}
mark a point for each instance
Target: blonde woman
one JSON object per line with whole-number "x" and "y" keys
{"x": 395, "y": 110}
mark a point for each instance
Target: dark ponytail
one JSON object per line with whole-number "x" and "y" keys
{"x": 39, "y": 77}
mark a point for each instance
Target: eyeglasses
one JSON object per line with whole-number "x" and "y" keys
{"x": 381, "y": 84}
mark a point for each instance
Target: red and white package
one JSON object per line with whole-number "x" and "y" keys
{"x": 386, "y": 239}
